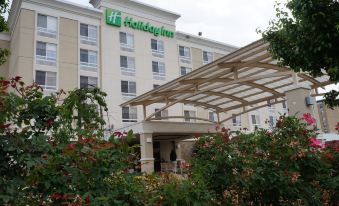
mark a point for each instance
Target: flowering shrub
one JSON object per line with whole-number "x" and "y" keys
{"x": 52, "y": 148}
{"x": 286, "y": 166}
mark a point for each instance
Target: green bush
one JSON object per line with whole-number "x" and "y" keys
{"x": 286, "y": 166}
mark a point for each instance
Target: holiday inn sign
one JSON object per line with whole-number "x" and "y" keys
{"x": 114, "y": 18}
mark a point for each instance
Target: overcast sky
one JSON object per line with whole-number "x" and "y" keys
{"x": 230, "y": 21}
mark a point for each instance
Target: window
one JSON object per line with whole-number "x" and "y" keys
{"x": 88, "y": 82}
{"x": 47, "y": 80}
{"x": 255, "y": 119}
{"x": 158, "y": 70}
{"x": 157, "y": 46}
{"x": 129, "y": 114}
{"x": 212, "y": 116}
{"x": 185, "y": 70}
{"x": 271, "y": 106}
{"x": 88, "y": 34}
{"x": 273, "y": 121}
{"x": 284, "y": 105}
{"x": 88, "y": 60}
{"x": 207, "y": 57}
{"x": 46, "y": 53}
{"x": 188, "y": 114}
{"x": 185, "y": 52}
{"x": 155, "y": 86}
{"x": 127, "y": 65}
{"x": 128, "y": 89}
{"x": 163, "y": 113}
{"x": 126, "y": 41}
{"x": 47, "y": 26}
{"x": 236, "y": 120}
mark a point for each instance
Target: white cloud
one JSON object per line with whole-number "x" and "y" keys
{"x": 230, "y": 21}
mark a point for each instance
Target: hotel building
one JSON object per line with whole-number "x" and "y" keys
{"x": 125, "y": 47}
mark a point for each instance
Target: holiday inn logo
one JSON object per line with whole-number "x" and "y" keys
{"x": 113, "y": 17}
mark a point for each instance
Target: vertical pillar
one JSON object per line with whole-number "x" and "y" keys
{"x": 178, "y": 150}
{"x": 296, "y": 102}
{"x": 146, "y": 150}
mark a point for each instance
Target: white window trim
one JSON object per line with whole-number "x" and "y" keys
{"x": 129, "y": 114}
{"x": 236, "y": 124}
{"x": 215, "y": 117}
{"x": 45, "y": 30}
{"x": 130, "y": 70}
{"x": 87, "y": 38}
{"x": 158, "y": 51}
{"x": 159, "y": 75}
{"x": 124, "y": 45}
{"x": 185, "y": 57}
{"x": 46, "y": 87}
{"x": 257, "y": 123}
{"x": 185, "y": 70}
{"x": 46, "y": 58}
{"x": 207, "y": 62}
{"x": 128, "y": 94}
{"x": 83, "y": 65}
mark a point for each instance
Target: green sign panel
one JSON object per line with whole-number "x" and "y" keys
{"x": 114, "y": 18}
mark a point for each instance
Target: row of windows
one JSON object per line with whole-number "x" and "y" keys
{"x": 46, "y": 54}
{"x": 47, "y": 27}
{"x": 48, "y": 80}
{"x": 129, "y": 114}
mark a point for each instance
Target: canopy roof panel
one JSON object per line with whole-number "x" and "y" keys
{"x": 243, "y": 78}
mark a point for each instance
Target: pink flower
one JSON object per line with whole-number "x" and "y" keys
{"x": 118, "y": 134}
{"x": 309, "y": 119}
{"x": 315, "y": 142}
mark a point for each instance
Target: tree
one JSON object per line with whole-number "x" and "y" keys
{"x": 307, "y": 39}
{"x": 3, "y": 27}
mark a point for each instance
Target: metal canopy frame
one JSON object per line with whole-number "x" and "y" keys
{"x": 240, "y": 79}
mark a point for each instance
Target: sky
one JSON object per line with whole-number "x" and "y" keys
{"x": 230, "y": 21}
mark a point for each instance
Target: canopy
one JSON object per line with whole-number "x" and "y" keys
{"x": 246, "y": 77}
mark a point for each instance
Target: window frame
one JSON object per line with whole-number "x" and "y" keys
{"x": 189, "y": 115}
{"x": 127, "y": 36}
{"x": 128, "y": 69}
{"x": 159, "y": 115}
{"x": 129, "y": 85}
{"x": 214, "y": 115}
{"x": 45, "y": 30}
{"x": 46, "y": 86}
{"x": 88, "y": 38}
{"x": 88, "y": 86}
{"x": 203, "y": 57}
{"x": 159, "y": 75}
{"x": 185, "y": 68}
{"x": 188, "y": 51}
{"x": 130, "y": 114}
{"x": 47, "y": 51}
{"x": 257, "y": 120}
{"x": 237, "y": 122}
{"x": 158, "y": 44}
{"x": 88, "y": 66}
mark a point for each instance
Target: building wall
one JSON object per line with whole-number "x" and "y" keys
{"x": 69, "y": 53}
{"x": 332, "y": 119}
{"x": 22, "y": 46}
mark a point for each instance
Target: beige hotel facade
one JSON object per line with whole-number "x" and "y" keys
{"x": 122, "y": 46}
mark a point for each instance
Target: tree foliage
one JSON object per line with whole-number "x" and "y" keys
{"x": 3, "y": 28}
{"x": 286, "y": 166}
{"x": 306, "y": 38}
